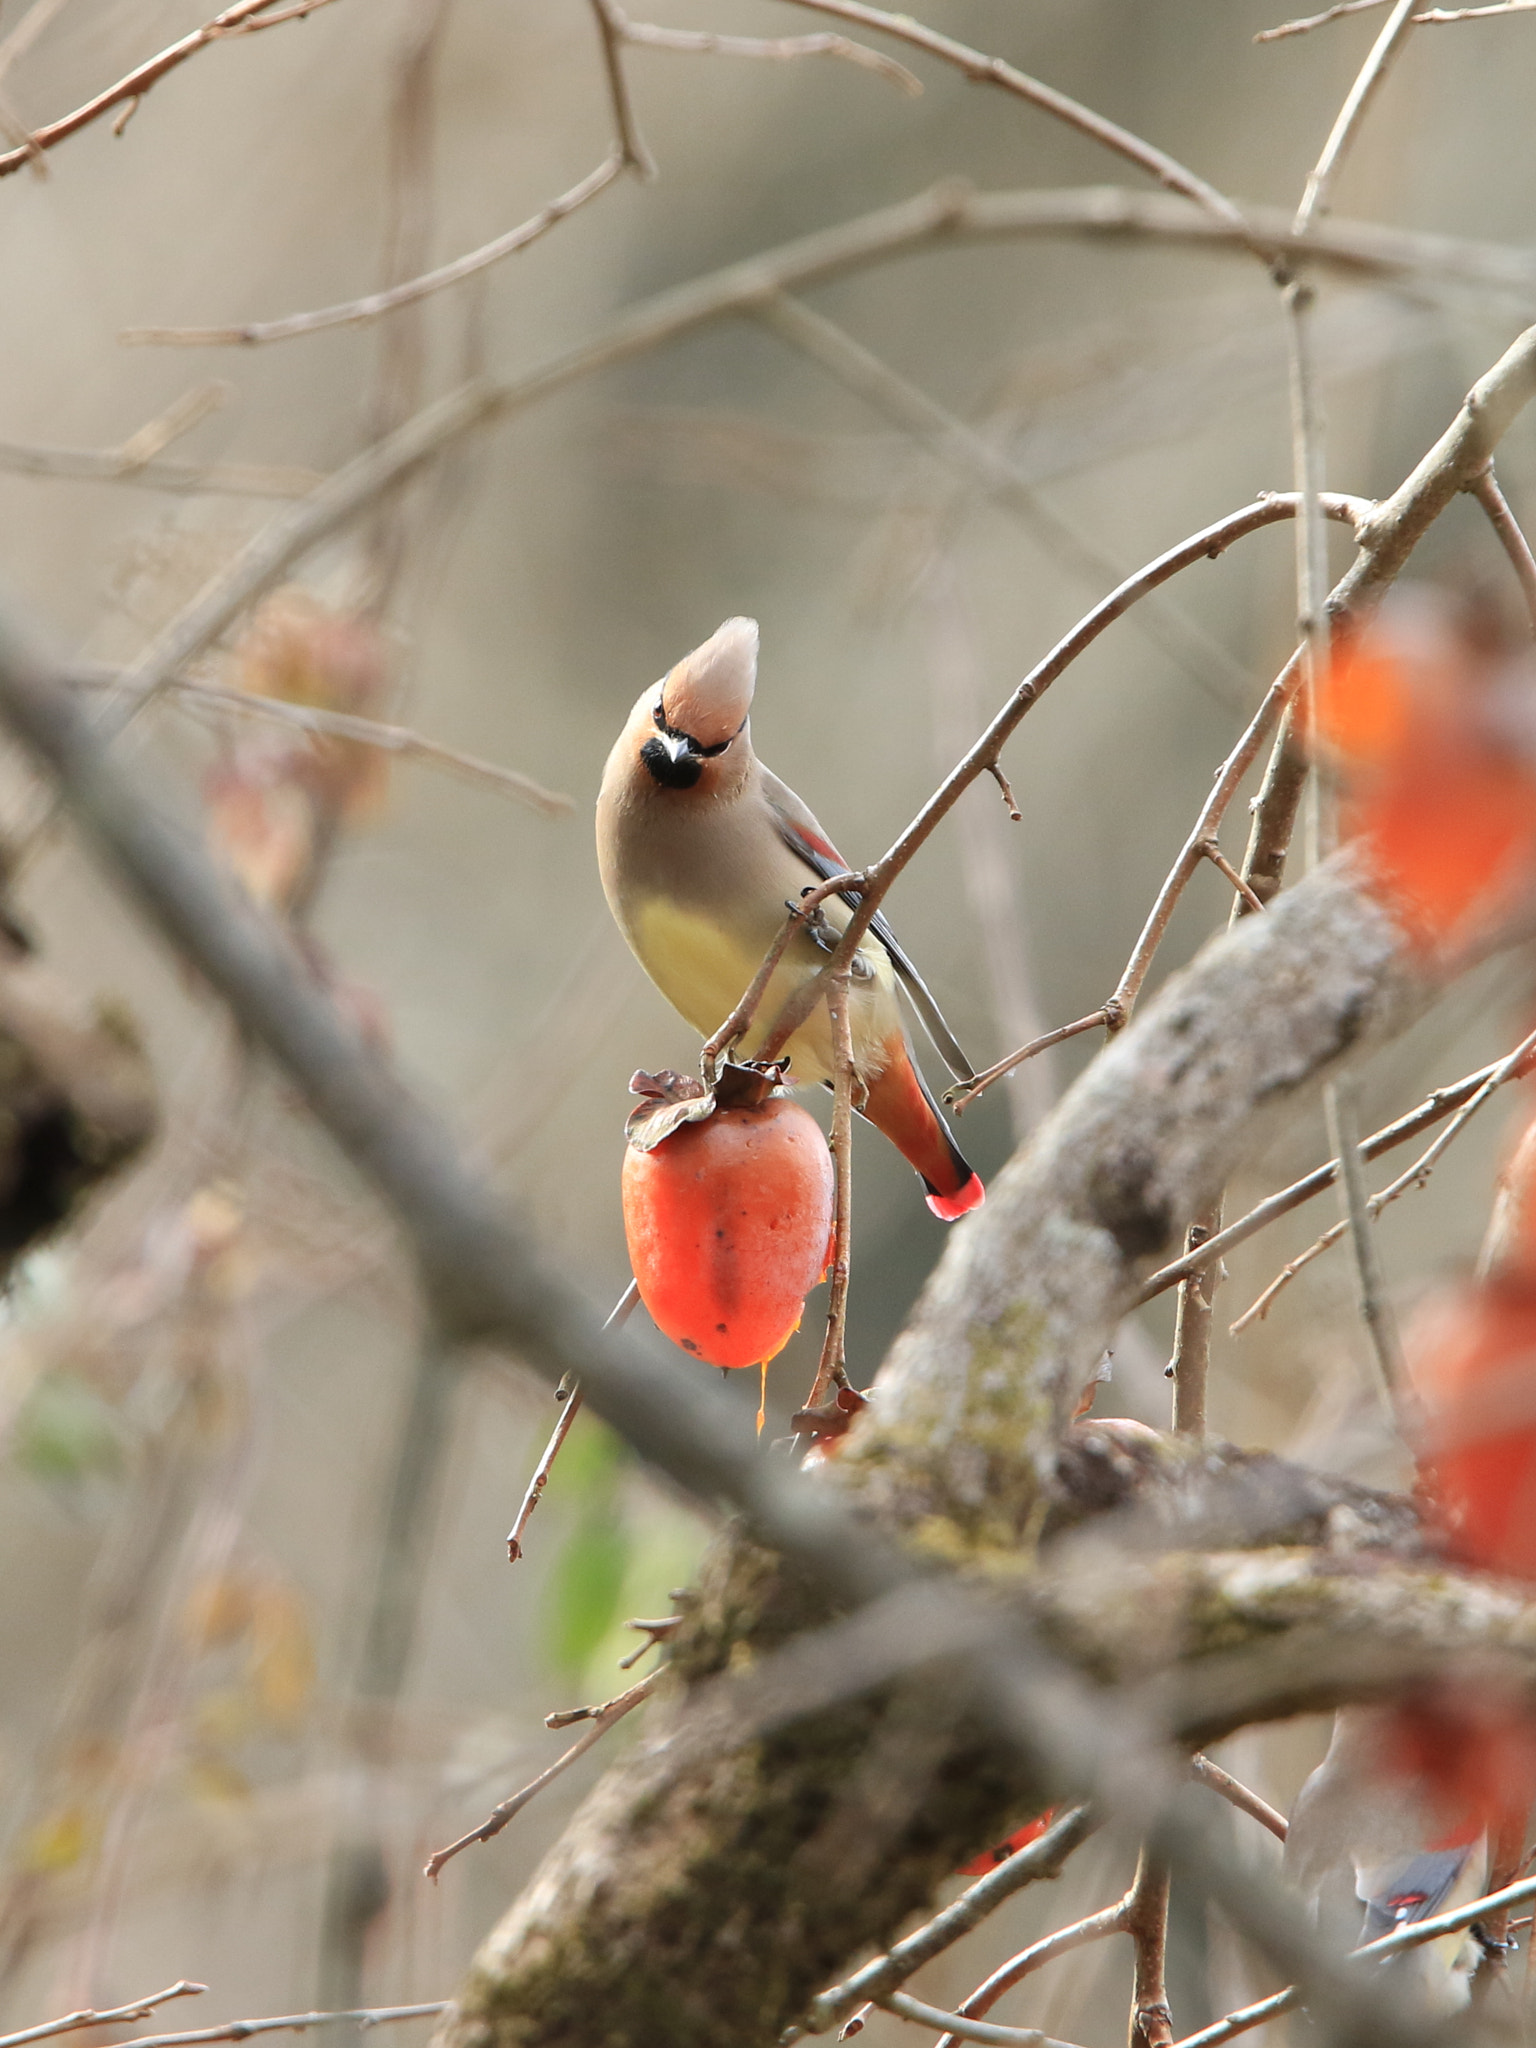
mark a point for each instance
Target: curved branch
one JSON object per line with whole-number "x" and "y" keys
{"x": 240, "y": 19}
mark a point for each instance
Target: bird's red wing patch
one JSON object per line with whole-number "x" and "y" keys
{"x": 817, "y": 852}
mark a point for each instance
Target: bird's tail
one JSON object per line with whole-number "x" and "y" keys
{"x": 898, "y": 1102}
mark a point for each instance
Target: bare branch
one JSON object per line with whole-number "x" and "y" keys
{"x": 1211, "y": 542}
{"x": 964, "y": 1093}
{"x": 984, "y": 70}
{"x": 1060, "y": 1943}
{"x": 294, "y": 2022}
{"x": 541, "y": 1471}
{"x": 1314, "y": 201}
{"x": 600, "y": 1720}
{"x": 1416, "y": 1176}
{"x": 1037, "y": 1860}
{"x": 829, "y": 1370}
{"x": 367, "y": 732}
{"x": 1431, "y": 17}
{"x": 139, "y": 2009}
{"x": 1485, "y": 488}
{"x": 705, "y": 42}
{"x": 1237, "y": 1794}
{"x": 1386, "y": 1945}
{"x": 922, "y": 2015}
{"x": 1146, "y": 1922}
{"x": 1436, "y": 1107}
{"x": 106, "y": 465}
{"x": 971, "y": 455}
{"x": 129, "y": 90}
{"x": 611, "y": 26}
{"x": 354, "y": 312}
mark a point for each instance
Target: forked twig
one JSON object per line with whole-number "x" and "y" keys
{"x": 601, "y": 1719}
{"x": 130, "y": 89}
{"x": 1391, "y": 1944}
{"x": 1111, "y": 1920}
{"x": 292, "y": 2023}
{"x": 984, "y": 70}
{"x": 1416, "y": 1175}
{"x": 1041, "y": 1858}
{"x": 138, "y": 2009}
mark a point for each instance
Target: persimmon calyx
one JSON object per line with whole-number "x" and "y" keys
{"x": 669, "y": 1099}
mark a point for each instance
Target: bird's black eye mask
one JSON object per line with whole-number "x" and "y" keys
{"x": 673, "y": 769}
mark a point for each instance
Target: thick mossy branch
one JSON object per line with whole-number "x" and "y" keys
{"x": 705, "y": 1902}
{"x": 977, "y": 1389}
{"x": 691, "y": 1898}
{"x": 77, "y": 1100}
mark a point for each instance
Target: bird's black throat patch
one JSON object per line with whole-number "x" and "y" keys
{"x": 679, "y": 774}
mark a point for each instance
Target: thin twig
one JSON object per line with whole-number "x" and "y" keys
{"x": 921, "y": 2014}
{"x": 618, "y": 1315}
{"x": 1190, "y": 1366}
{"x": 1367, "y": 84}
{"x": 1041, "y": 1858}
{"x": 601, "y": 1720}
{"x": 540, "y": 1479}
{"x": 1385, "y": 1945}
{"x": 1111, "y": 1920}
{"x": 945, "y": 213}
{"x": 830, "y": 1368}
{"x": 139, "y": 2009}
{"x": 1237, "y": 1794}
{"x": 1431, "y": 17}
{"x": 1485, "y": 488}
{"x": 106, "y": 465}
{"x": 130, "y": 89}
{"x": 953, "y": 441}
{"x": 1434, "y": 1109}
{"x": 1202, "y": 837}
{"x": 1307, "y": 438}
{"x": 1340, "y": 1104}
{"x": 632, "y": 148}
{"x": 27, "y": 30}
{"x": 1146, "y": 1922}
{"x": 368, "y": 732}
{"x": 1415, "y": 1176}
{"x": 705, "y": 42}
{"x": 1223, "y": 866}
{"x": 293, "y": 2022}
{"x": 984, "y": 70}
{"x": 873, "y": 885}
{"x": 964, "y": 1093}
{"x": 354, "y": 312}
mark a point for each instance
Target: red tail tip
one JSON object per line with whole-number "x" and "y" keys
{"x": 969, "y": 1195}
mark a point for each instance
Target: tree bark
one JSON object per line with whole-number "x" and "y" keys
{"x": 704, "y": 1901}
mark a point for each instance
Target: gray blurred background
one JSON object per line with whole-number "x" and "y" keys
{"x": 201, "y": 1394}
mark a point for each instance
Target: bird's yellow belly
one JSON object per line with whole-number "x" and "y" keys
{"x": 704, "y": 970}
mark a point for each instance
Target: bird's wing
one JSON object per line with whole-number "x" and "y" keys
{"x": 804, "y": 837}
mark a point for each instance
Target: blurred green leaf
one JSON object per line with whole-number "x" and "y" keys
{"x": 66, "y": 1432}
{"x": 582, "y": 1595}
{"x": 592, "y": 1461}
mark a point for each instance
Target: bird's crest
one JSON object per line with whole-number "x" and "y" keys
{"x": 709, "y": 693}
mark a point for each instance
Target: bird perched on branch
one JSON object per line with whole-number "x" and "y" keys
{"x": 703, "y": 851}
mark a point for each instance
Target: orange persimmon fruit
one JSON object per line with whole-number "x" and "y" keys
{"x": 729, "y": 1223}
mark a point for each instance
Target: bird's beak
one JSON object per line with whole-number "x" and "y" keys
{"x": 676, "y": 744}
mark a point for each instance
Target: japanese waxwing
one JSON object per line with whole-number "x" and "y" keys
{"x": 1370, "y": 1849}
{"x": 702, "y": 850}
